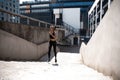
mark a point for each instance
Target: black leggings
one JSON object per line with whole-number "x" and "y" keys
{"x": 52, "y": 43}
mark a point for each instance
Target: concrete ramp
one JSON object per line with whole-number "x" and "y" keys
{"x": 69, "y": 67}
{"x": 103, "y": 50}
{"x": 15, "y": 48}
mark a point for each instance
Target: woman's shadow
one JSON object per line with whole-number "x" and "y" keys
{"x": 55, "y": 64}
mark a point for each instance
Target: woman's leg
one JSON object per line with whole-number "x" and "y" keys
{"x": 55, "y": 53}
{"x": 50, "y": 46}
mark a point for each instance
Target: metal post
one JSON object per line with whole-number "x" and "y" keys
{"x": 92, "y": 21}
{"x": 90, "y": 29}
{"x": 88, "y": 25}
{"x": 109, "y": 2}
{"x": 96, "y": 17}
{"x": 101, "y": 9}
{"x": 55, "y": 20}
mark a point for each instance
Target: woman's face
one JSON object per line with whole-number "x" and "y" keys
{"x": 51, "y": 28}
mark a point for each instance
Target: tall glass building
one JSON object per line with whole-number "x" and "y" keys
{"x": 11, "y": 6}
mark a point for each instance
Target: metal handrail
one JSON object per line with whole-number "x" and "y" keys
{"x": 70, "y": 28}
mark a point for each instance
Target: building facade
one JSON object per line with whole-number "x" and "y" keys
{"x": 96, "y": 13}
{"x": 11, "y": 6}
{"x": 37, "y": 9}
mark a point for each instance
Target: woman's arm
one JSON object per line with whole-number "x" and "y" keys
{"x": 52, "y": 35}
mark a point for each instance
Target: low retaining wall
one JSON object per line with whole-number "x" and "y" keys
{"x": 33, "y": 34}
{"x": 15, "y": 48}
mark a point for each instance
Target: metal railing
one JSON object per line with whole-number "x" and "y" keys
{"x": 70, "y": 28}
{"x": 25, "y": 19}
{"x": 96, "y": 13}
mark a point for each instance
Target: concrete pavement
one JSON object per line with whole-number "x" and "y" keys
{"x": 69, "y": 67}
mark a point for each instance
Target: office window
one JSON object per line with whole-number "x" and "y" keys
{"x": 10, "y": 9}
{"x": 14, "y": 5}
{"x": 13, "y": 1}
{"x": 6, "y": 3}
{"x": 1, "y": 6}
{"x": 2, "y": 18}
{"x": 14, "y": 10}
{"x": 6, "y": 8}
{"x": 2, "y": 13}
{"x": 10, "y": 4}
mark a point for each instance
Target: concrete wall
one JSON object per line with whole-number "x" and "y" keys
{"x": 60, "y": 34}
{"x": 15, "y": 48}
{"x": 71, "y": 38}
{"x": 103, "y": 50}
{"x": 24, "y": 42}
{"x": 33, "y": 34}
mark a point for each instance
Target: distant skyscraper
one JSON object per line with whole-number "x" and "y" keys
{"x": 11, "y": 6}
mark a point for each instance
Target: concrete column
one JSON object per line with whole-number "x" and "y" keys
{"x": 46, "y": 25}
{"x": 72, "y": 40}
{"x": 8, "y": 18}
{"x": 38, "y": 23}
{"x": 56, "y": 17}
{"x": 13, "y": 18}
{"x": 56, "y": 13}
{"x": 28, "y": 21}
{"x": 55, "y": 20}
